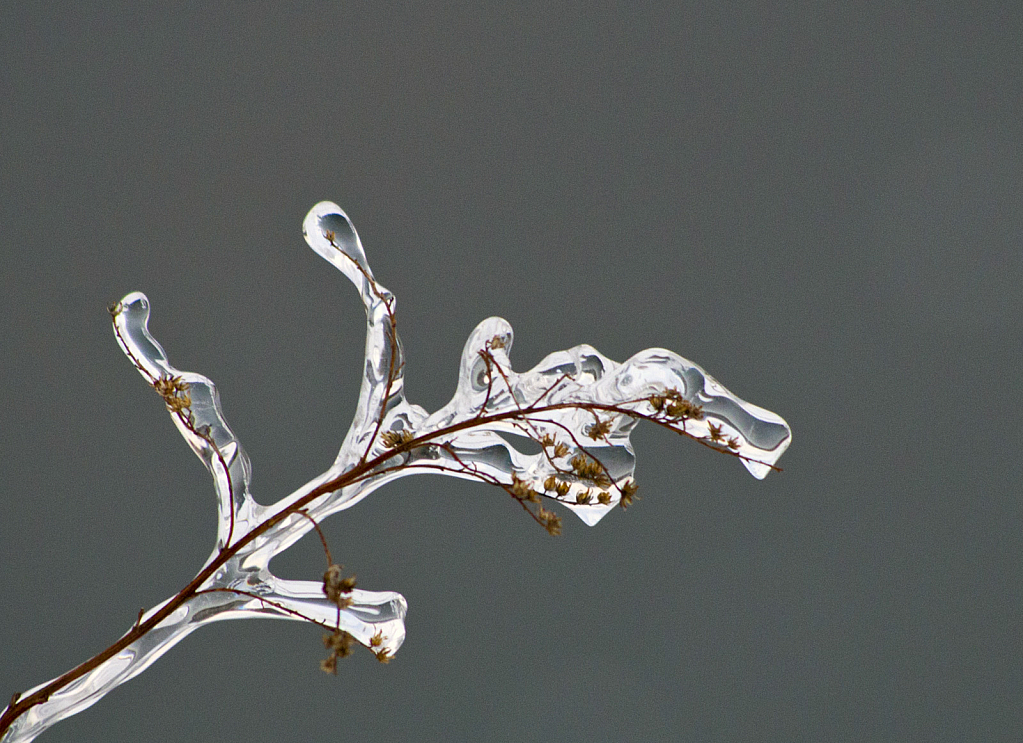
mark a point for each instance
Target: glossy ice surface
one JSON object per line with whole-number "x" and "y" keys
{"x": 471, "y": 437}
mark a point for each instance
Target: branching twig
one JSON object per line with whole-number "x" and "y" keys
{"x": 550, "y": 419}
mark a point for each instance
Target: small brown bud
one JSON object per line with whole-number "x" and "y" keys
{"x": 628, "y": 493}
{"x": 394, "y": 439}
{"x": 522, "y": 490}
{"x": 598, "y": 430}
{"x": 550, "y": 521}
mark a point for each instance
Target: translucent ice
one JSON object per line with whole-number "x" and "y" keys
{"x": 578, "y": 405}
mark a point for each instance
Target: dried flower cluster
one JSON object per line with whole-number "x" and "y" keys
{"x": 174, "y": 391}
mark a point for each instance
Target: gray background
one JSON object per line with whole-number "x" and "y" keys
{"x": 822, "y": 205}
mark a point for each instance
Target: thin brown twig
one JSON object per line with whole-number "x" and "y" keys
{"x": 319, "y": 533}
{"x": 392, "y": 331}
{"x": 188, "y": 422}
{"x": 268, "y": 602}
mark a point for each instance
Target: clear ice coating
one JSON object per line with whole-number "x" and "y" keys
{"x": 578, "y": 398}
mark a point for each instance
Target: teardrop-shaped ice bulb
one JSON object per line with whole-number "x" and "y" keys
{"x": 330, "y": 232}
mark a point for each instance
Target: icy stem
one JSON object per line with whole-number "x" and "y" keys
{"x": 578, "y": 405}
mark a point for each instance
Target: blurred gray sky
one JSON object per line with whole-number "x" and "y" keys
{"x": 823, "y": 206}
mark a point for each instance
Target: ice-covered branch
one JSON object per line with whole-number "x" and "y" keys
{"x": 578, "y": 405}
